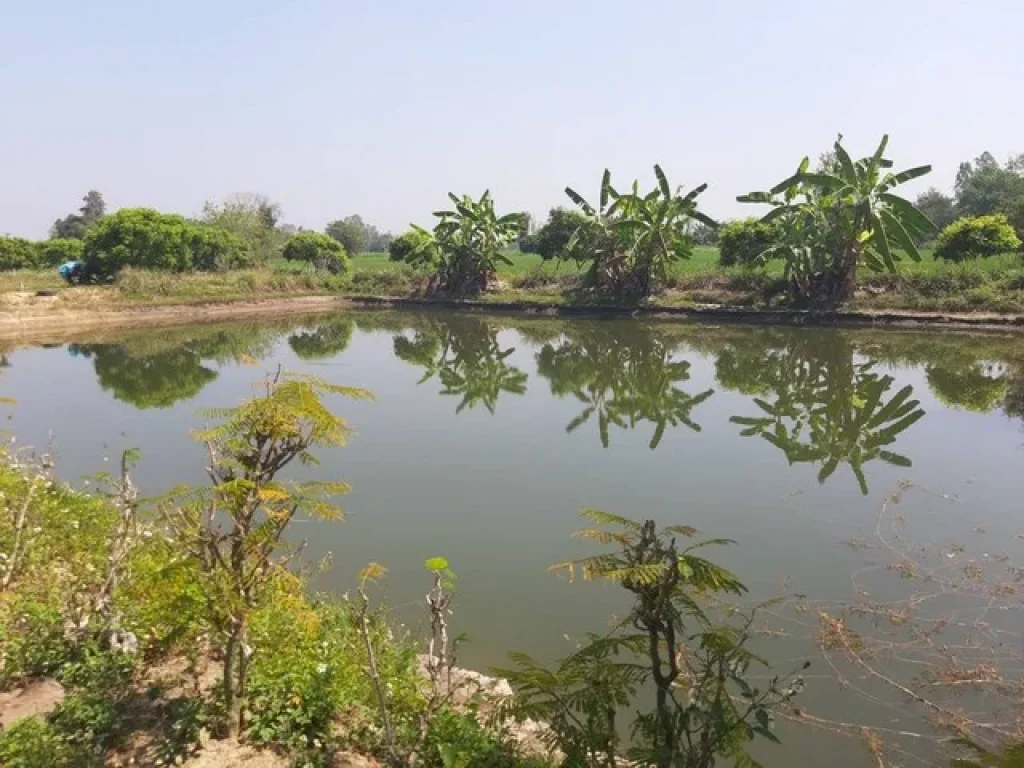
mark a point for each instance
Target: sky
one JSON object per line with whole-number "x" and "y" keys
{"x": 381, "y": 107}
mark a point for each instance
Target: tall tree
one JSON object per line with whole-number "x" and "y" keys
{"x": 74, "y": 225}
{"x": 984, "y": 187}
{"x": 251, "y": 217}
{"x": 937, "y": 206}
{"x": 351, "y": 232}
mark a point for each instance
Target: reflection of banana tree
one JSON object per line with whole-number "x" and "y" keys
{"x": 329, "y": 339}
{"x": 623, "y": 377}
{"x": 466, "y": 357}
{"x": 826, "y": 408}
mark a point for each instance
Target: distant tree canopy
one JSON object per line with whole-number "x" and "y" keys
{"x": 56, "y": 251}
{"x": 142, "y": 237}
{"x": 251, "y": 217}
{"x": 937, "y": 206}
{"x": 357, "y": 236}
{"x": 19, "y": 253}
{"x": 983, "y": 187}
{"x": 75, "y": 225}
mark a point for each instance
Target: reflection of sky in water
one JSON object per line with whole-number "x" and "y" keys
{"x": 497, "y": 493}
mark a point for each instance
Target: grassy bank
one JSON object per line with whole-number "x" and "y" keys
{"x": 108, "y": 657}
{"x": 993, "y": 285}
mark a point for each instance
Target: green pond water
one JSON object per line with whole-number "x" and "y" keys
{"x": 489, "y": 434}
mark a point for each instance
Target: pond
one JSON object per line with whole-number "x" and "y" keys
{"x": 488, "y": 434}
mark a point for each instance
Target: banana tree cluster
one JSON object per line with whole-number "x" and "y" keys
{"x": 466, "y": 245}
{"x": 837, "y": 219}
{"x": 631, "y": 239}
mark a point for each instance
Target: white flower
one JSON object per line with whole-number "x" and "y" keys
{"x": 321, "y": 669}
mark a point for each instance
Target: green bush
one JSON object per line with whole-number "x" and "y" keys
{"x": 33, "y": 743}
{"x": 216, "y": 250}
{"x": 551, "y": 239}
{"x": 975, "y": 237}
{"x": 404, "y": 246}
{"x": 742, "y": 242}
{"x": 54, "y": 252}
{"x": 458, "y": 740}
{"x": 17, "y": 253}
{"x": 142, "y": 237}
{"x": 321, "y": 251}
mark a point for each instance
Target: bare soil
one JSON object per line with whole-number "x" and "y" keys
{"x": 24, "y": 315}
{"x": 36, "y": 699}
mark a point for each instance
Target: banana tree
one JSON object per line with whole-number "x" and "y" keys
{"x": 631, "y": 239}
{"x": 466, "y": 245}
{"x": 836, "y": 220}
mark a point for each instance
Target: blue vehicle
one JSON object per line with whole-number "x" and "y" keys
{"x": 73, "y": 272}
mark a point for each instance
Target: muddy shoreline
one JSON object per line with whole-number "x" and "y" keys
{"x": 45, "y": 318}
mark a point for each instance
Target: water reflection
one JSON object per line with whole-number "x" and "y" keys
{"x": 464, "y": 354}
{"x": 156, "y": 379}
{"x": 326, "y": 339}
{"x": 622, "y": 379}
{"x": 821, "y": 397}
{"x": 158, "y": 368}
{"x": 819, "y": 403}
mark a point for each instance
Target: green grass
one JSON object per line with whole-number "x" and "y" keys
{"x": 995, "y": 284}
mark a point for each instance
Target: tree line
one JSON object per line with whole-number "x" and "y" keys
{"x": 243, "y": 230}
{"x": 825, "y": 224}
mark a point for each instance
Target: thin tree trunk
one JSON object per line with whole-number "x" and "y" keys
{"x": 230, "y": 701}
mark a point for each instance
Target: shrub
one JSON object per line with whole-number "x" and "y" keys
{"x": 216, "y": 250}
{"x": 975, "y": 237}
{"x": 552, "y": 238}
{"x": 742, "y": 242}
{"x": 411, "y": 243}
{"x": 32, "y": 743}
{"x": 17, "y": 253}
{"x": 56, "y": 251}
{"x": 321, "y": 251}
{"x": 142, "y": 237}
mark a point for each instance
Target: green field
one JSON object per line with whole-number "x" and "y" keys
{"x": 993, "y": 285}
{"x": 704, "y": 259}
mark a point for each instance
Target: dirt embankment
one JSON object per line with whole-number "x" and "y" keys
{"x": 25, "y": 316}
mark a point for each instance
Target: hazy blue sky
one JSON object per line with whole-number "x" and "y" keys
{"x": 381, "y": 107}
